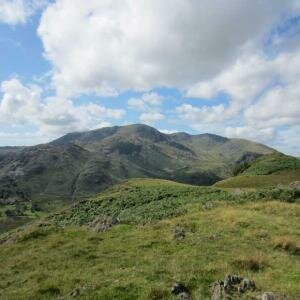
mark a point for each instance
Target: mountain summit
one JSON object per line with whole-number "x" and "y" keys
{"x": 83, "y": 163}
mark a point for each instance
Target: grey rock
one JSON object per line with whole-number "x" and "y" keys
{"x": 231, "y": 286}
{"x": 271, "y": 296}
{"x": 179, "y": 233}
{"x": 267, "y": 296}
{"x": 179, "y": 288}
{"x": 230, "y": 283}
{"x": 246, "y": 285}
{"x": 208, "y": 206}
{"x": 295, "y": 185}
{"x": 75, "y": 293}
{"x": 184, "y": 296}
{"x": 218, "y": 290}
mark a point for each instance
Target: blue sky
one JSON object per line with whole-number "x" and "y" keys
{"x": 187, "y": 65}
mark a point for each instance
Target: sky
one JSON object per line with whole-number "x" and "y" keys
{"x": 199, "y": 66}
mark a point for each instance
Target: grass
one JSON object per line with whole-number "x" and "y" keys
{"x": 266, "y": 171}
{"x": 284, "y": 177}
{"x": 140, "y": 259}
{"x": 272, "y": 163}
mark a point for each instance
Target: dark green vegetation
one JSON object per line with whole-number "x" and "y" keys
{"x": 270, "y": 164}
{"x": 268, "y": 170}
{"x": 254, "y": 234}
{"x": 79, "y": 165}
{"x": 82, "y": 164}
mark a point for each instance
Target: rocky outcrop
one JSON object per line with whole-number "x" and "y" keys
{"x": 232, "y": 285}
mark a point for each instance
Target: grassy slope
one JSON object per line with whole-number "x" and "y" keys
{"x": 266, "y": 171}
{"x": 255, "y": 181}
{"x": 136, "y": 261}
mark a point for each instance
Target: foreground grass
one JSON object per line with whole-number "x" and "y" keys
{"x": 139, "y": 259}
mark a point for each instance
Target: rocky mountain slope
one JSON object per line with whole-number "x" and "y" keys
{"x": 81, "y": 164}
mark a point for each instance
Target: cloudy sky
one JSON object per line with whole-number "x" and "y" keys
{"x": 179, "y": 65}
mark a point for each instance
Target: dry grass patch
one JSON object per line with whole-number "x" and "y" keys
{"x": 254, "y": 263}
{"x": 287, "y": 245}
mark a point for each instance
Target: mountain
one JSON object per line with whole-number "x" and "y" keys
{"x": 84, "y": 163}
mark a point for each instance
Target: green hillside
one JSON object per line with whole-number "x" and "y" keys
{"x": 136, "y": 239}
{"x": 82, "y": 164}
{"x": 269, "y": 170}
{"x": 40, "y": 179}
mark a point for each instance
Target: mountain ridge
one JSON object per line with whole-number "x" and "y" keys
{"x": 83, "y": 163}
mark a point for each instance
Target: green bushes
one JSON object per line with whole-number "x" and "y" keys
{"x": 141, "y": 204}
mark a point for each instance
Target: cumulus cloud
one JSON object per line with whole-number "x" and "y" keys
{"x": 205, "y": 114}
{"x": 151, "y": 117}
{"x": 202, "y": 48}
{"x": 99, "y": 46}
{"x": 14, "y": 12}
{"x": 147, "y": 101}
{"x": 263, "y": 95}
{"x": 279, "y": 106}
{"x": 22, "y": 104}
{"x": 261, "y": 135}
{"x": 149, "y": 104}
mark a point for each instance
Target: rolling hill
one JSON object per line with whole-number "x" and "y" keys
{"x": 136, "y": 239}
{"x": 81, "y": 164}
{"x": 268, "y": 170}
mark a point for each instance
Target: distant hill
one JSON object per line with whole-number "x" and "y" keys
{"x": 84, "y": 163}
{"x": 268, "y": 170}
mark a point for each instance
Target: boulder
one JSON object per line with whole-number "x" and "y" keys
{"x": 246, "y": 285}
{"x": 179, "y": 288}
{"x": 233, "y": 285}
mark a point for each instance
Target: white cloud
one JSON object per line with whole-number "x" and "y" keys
{"x": 53, "y": 115}
{"x": 146, "y": 102}
{"x": 167, "y": 131}
{"x": 151, "y": 117}
{"x": 279, "y": 106}
{"x": 107, "y": 46}
{"x": 245, "y": 132}
{"x": 263, "y": 95}
{"x": 149, "y": 104}
{"x": 287, "y": 140}
{"x": 14, "y": 12}
{"x": 198, "y": 115}
{"x": 242, "y": 81}
{"x": 262, "y": 83}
